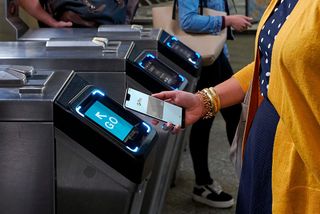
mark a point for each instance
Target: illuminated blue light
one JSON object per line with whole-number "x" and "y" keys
{"x": 133, "y": 150}
{"x": 141, "y": 65}
{"x": 190, "y": 60}
{"x": 198, "y": 55}
{"x": 78, "y": 110}
{"x": 174, "y": 38}
{"x": 150, "y": 55}
{"x": 181, "y": 77}
{"x": 147, "y": 56}
{"x": 94, "y": 92}
{"x": 147, "y": 126}
{"x": 182, "y": 80}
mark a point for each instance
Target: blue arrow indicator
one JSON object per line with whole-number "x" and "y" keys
{"x": 109, "y": 120}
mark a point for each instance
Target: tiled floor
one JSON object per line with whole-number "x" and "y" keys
{"x": 179, "y": 197}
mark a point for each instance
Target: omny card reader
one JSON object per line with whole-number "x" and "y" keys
{"x": 102, "y": 126}
{"x": 179, "y": 53}
{"x": 157, "y": 75}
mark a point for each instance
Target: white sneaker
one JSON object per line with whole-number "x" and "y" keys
{"x": 212, "y": 195}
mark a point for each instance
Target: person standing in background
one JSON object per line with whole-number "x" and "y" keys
{"x": 281, "y": 167}
{"x": 206, "y": 190}
{"x": 80, "y": 13}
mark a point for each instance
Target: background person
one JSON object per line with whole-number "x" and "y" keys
{"x": 80, "y": 13}
{"x": 281, "y": 168}
{"x": 206, "y": 190}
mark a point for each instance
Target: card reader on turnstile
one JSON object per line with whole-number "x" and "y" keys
{"x": 102, "y": 126}
{"x": 178, "y": 52}
{"x": 103, "y": 114}
{"x": 156, "y": 75}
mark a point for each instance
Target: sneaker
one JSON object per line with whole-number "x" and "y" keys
{"x": 212, "y": 195}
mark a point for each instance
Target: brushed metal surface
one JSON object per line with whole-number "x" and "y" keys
{"x": 158, "y": 184}
{"x": 15, "y": 106}
{"x": 36, "y": 54}
{"x": 44, "y": 34}
{"x": 112, "y": 32}
{"x": 112, "y": 83}
{"x": 26, "y": 168}
{"x": 12, "y": 26}
{"x": 85, "y": 184}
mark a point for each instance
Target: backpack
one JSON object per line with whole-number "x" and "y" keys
{"x": 87, "y": 13}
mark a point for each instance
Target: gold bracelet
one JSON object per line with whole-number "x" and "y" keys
{"x": 211, "y": 95}
{"x": 216, "y": 99}
{"x": 207, "y": 105}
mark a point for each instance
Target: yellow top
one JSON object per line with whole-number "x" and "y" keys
{"x": 294, "y": 91}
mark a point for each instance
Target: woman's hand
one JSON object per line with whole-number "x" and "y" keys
{"x": 192, "y": 104}
{"x": 238, "y": 22}
{"x": 61, "y": 24}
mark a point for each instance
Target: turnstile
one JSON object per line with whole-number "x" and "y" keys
{"x": 87, "y": 116}
{"x": 78, "y": 55}
{"x": 56, "y": 160}
{"x": 60, "y": 53}
{"x": 152, "y": 77}
{"x": 14, "y": 28}
{"x": 82, "y": 60}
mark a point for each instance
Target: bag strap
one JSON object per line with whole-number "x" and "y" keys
{"x": 175, "y": 3}
{"x": 230, "y": 35}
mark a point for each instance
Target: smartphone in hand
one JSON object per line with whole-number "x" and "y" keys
{"x": 154, "y": 107}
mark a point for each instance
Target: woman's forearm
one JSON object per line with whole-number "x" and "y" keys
{"x": 34, "y": 8}
{"x": 229, "y": 92}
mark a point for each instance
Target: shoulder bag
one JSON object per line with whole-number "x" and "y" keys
{"x": 208, "y": 46}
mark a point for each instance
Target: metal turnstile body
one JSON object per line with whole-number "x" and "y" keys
{"x": 168, "y": 151}
{"x": 12, "y": 26}
{"x": 67, "y": 55}
{"x": 95, "y": 175}
{"x": 43, "y": 168}
{"x": 27, "y": 182}
{"x": 168, "y": 146}
{"x": 92, "y": 70}
{"x": 144, "y": 37}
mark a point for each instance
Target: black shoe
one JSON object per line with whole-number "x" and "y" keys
{"x": 212, "y": 195}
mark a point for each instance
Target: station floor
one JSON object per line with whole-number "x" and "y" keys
{"x": 178, "y": 200}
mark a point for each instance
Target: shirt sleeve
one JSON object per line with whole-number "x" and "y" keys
{"x": 191, "y": 21}
{"x": 244, "y": 76}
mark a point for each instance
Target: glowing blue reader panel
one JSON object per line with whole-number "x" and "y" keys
{"x": 109, "y": 120}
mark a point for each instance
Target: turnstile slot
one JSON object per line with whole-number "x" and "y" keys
{"x": 112, "y": 47}
{"x": 38, "y": 80}
{"x": 146, "y": 32}
{"x": 31, "y": 90}
{"x": 132, "y": 29}
{"x": 71, "y": 43}
{"x": 10, "y": 78}
{"x": 24, "y": 78}
{"x": 26, "y": 70}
